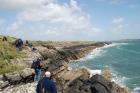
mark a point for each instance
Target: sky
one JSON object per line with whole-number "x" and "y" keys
{"x": 70, "y": 20}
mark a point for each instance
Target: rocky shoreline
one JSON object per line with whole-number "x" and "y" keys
{"x": 56, "y": 61}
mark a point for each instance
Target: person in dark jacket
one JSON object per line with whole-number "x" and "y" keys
{"x": 46, "y": 85}
{"x": 19, "y": 44}
{"x": 36, "y": 65}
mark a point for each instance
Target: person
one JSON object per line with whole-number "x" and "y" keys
{"x": 36, "y": 65}
{"x": 30, "y": 45}
{"x": 4, "y": 38}
{"x": 19, "y": 44}
{"x": 27, "y": 42}
{"x": 46, "y": 85}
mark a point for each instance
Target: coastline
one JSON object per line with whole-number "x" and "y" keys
{"x": 60, "y": 69}
{"x": 97, "y": 54}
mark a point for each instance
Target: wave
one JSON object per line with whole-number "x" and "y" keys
{"x": 136, "y": 90}
{"x": 94, "y": 72}
{"x": 100, "y": 51}
{"x": 119, "y": 79}
{"x": 95, "y": 53}
{"x": 116, "y": 77}
{"x": 115, "y": 44}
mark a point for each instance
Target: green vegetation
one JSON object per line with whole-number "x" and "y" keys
{"x": 12, "y": 68}
{"x": 8, "y": 52}
{"x": 10, "y": 39}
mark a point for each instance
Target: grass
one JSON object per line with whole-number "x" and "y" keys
{"x": 12, "y": 68}
{"x": 8, "y": 52}
{"x": 10, "y": 39}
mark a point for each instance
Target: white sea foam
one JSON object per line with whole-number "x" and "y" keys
{"x": 100, "y": 51}
{"x": 118, "y": 78}
{"x": 114, "y": 44}
{"x": 136, "y": 90}
{"x": 94, "y": 72}
{"x": 95, "y": 53}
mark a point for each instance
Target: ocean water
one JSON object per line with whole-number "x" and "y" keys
{"x": 123, "y": 59}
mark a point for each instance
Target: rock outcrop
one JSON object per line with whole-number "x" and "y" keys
{"x": 95, "y": 84}
{"x": 23, "y": 76}
{"x": 25, "y": 88}
{"x": 68, "y": 81}
{"x": 75, "y": 81}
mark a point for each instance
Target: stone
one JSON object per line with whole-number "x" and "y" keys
{"x": 99, "y": 84}
{"x": 3, "y": 84}
{"x": 13, "y": 77}
{"x": 49, "y": 53}
{"x": 26, "y": 72}
{"x": 1, "y": 77}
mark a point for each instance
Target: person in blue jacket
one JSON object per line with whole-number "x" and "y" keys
{"x": 46, "y": 85}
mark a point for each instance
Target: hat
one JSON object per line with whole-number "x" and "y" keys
{"x": 47, "y": 74}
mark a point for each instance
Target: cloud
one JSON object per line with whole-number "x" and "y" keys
{"x": 2, "y": 25}
{"x": 54, "y": 21}
{"x": 118, "y": 20}
{"x": 21, "y": 4}
{"x": 118, "y": 24}
{"x": 113, "y": 1}
{"x": 2, "y": 21}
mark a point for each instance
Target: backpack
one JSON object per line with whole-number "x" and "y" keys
{"x": 35, "y": 64}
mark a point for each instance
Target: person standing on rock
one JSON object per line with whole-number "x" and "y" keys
{"x": 36, "y": 65}
{"x": 46, "y": 85}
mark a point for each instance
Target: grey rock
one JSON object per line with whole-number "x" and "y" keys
{"x": 1, "y": 78}
{"x": 3, "y": 84}
{"x": 26, "y": 72}
{"x": 13, "y": 77}
{"x": 27, "y": 88}
{"x": 49, "y": 53}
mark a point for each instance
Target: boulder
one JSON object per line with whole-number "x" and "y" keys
{"x": 73, "y": 74}
{"x": 1, "y": 77}
{"x": 49, "y": 53}
{"x": 27, "y": 88}
{"x": 26, "y": 72}
{"x": 66, "y": 78}
{"x": 78, "y": 85}
{"x": 99, "y": 84}
{"x": 3, "y": 84}
{"x": 115, "y": 88}
{"x": 82, "y": 84}
{"x": 13, "y": 78}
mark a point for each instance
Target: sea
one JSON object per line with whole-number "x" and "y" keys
{"x": 121, "y": 57}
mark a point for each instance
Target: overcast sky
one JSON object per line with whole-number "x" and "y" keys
{"x": 70, "y": 19}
